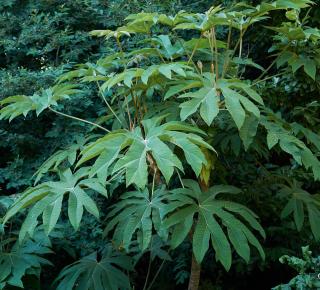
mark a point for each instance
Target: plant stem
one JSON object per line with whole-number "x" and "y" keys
{"x": 184, "y": 48}
{"x": 195, "y": 274}
{"x": 154, "y": 167}
{"x": 180, "y": 179}
{"x": 239, "y": 42}
{"x": 79, "y": 119}
{"x": 121, "y": 52}
{"x": 240, "y": 48}
{"x": 116, "y": 175}
{"x": 128, "y": 112}
{"x": 148, "y": 273}
{"x": 271, "y": 65}
{"x": 229, "y": 36}
{"x": 227, "y": 51}
{"x": 306, "y": 17}
{"x": 267, "y": 78}
{"x": 153, "y": 181}
{"x": 106, "y": 102}
{"x": 215, "y": 52}
{"x": 194, "y": 50}
{"x": 267, "y": 69}
{"x": 156, "y": 275}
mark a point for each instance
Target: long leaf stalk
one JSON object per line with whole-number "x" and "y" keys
{"x": 271, "y": 65}
{"x": 107, "y": 103}
{"x": 79, "y": 119}
{"x": 190, "y": 57}
{"x": 239, "y": 42}
{"x": 156, "y": 275}
{"x": 216, "y": 52}
{"x": 149, "y": 269}
{"x": 227, "y": 51}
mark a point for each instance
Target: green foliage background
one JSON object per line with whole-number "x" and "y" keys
{"x": 40, "y": 40}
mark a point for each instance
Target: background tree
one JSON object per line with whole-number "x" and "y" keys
{"x": 190, "y": 131}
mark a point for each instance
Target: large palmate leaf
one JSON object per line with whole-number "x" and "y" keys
{"x": 92, "y": 273}
{"x": 311, "y": 137}
{"x": 238, "y": 104}
{"x": 145, "y": 147}
{"x": 298, "y": 61}
{"x": 288, "y": 40}
{"x": 21, "y": 105}
{"x": 166, "y": 48}
{"x": 249, "y": 130}
{"x": 221, "y": 221}
{"x": 47, "y": 199}
{"x": 160, "y": 72}
{"x": 214, "y": 17}
{"x": 66, "y": 156}
{"x": 208, "y": 98}
{"x": 204, "y": 21}
{"x": 289, "y": 143}
{"x": 137, "y": 212}
{"x": 299, "y": 200}
{"x": 21, "y": 260}
{"x": 237, "y": 18}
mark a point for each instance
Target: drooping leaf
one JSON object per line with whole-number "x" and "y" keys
{"x": 137, "y": 212}
{"x": 90, "y": 272}
{"x": 300, "y": 200}
{"x": 277, "y": 134}
{"x": 235, "y": 220}
{"x": 46, "y": 200}
{"x": 21, "y": 259}
{"x": 21, "y": 105}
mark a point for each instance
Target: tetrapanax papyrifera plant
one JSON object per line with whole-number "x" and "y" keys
{"x": 173, "y": 108}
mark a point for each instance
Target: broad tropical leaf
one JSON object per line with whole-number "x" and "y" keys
{"x": 144, "y": 75}
{"x": 67, "y": 156}
{"x": 138, "y": 212}
{"x": 291, "y": 144}
{"x": 22, "y": 259}
{"x": 93, "y": 273}
{"x": 209, "y": 97}
{"x": 144, "y": 146}
{"x": 21, "y": 105}
{"x": 47, "y": 199}
{"x": 221, "y": 221}
{"x": 299, "y": 201}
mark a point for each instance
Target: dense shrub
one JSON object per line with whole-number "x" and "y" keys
{"x": 175, "y": 140}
